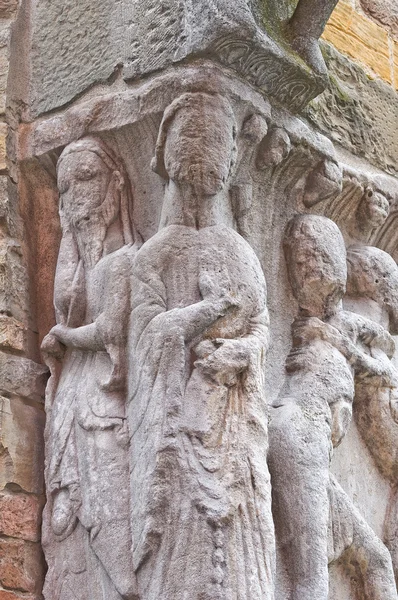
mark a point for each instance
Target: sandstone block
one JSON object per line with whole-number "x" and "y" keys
{"x": 3, "y": 136}
{"x": 384, "y": 11}
{"x": 13, "y": 280}
{"x": 8, "y": 8}
{"x": 6, "y": 595}
{"x": 360, "y": 38}
{"x": 357, "y": 112}
{"x": 22, "y": 377}
{"x": 20, "y": 516}
{"x": 21, "y": 445}
{"x": 12, "y": 333}
{"x": 21, "y": 565}
{"x": 4, "y": 61}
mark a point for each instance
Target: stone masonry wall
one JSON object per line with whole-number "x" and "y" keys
{"x": 367, "y": 31}
{"x": 21, "y": 381}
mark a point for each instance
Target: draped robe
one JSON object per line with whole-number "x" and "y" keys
{"x": 200, "y": 488}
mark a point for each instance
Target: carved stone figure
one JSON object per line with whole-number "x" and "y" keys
{"x": 372, "y": 212}
{"x": 86, "y": 529}
{"x": 200, "y": 489}
{"x": 372, "y": 290}
{"x": 316, "y": 522}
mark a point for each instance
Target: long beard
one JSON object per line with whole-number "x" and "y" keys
{"x": 90, "y": 237}
{"x": 91, "y": 233}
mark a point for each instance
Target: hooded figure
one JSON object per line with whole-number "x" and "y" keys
{"x": 201, "y": 508}
{"x": 86, "y": 529}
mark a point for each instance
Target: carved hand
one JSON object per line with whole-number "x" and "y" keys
{"x": 220, "y": 297}
{"x": 51, "y": 346}
{"x": 62, "y": 334}
{"x": 228, "y": 359}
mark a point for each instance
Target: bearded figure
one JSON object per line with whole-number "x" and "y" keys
{"x": 86, "y": 533}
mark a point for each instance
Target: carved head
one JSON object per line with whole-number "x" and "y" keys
{"x": 316, "y": 261}
{"x": 274, "y": 148}
{"x": 323, "y": 182}
{"x": 197, "y": 142}
{"x": 93, "y": 192}
{"x": 373, "y": 274}
{"x": 373, "y": 209}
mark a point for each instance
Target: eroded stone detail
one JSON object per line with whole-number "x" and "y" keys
{"x": 313, "y": 414}
{"x": 86, "y": 522}
{"x": 157, "y": 429}
{"x": 200, "y": 486}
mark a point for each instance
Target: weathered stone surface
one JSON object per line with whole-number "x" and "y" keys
{"x": 4, "y": 63}
{"x": 21, "y": 565}
{"x": 137, "y": 38}
{"x": 83, "y": 49}
{"x": 22, "y": 377}
{"x": 8, "y": 8}
{"x": 384, "y": 11}
{"x": 5, "y": 595}
{"x": 395, "y": 65}
{"x": 20, "y": 516}
{"x": 12, "y": 334}
{"x": 358, "y": 113}
{"x": 13, "y": 280}
{"x": 360, "y": 38}
{"x": 3, "y": 136}
{"x": 21, "y": 445}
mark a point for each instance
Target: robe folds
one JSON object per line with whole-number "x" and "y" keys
{"x": 200, "y": 487}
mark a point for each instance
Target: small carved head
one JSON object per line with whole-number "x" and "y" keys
{"x": 274, "y": 148}
{"x": 197, "y": 142}
{"x": 373, "y": 274}
{"x": 373, "y": 209}
{"x": 316, "y": 261}
{"x": 324, "y": 182}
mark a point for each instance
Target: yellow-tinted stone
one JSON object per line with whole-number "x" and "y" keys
{"x": 360, "y": 38}
{"x": 395, "y": 59}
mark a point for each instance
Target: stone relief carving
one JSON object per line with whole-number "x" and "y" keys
{"x": 313, "y": 414}
{"x": 178, "y": 332}
{"x": 86, "y": 521}
{"x": 372, "y": 291}
{"x": 200, "y": 487}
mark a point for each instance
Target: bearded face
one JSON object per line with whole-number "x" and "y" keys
{"x": 83, "y": 183}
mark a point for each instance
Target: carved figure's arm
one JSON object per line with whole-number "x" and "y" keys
{"x": 306, "y": 330}
{"x": 86, "y": 337}
{"x": 192, "y": 320}
{"x": 223, "y": 359}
